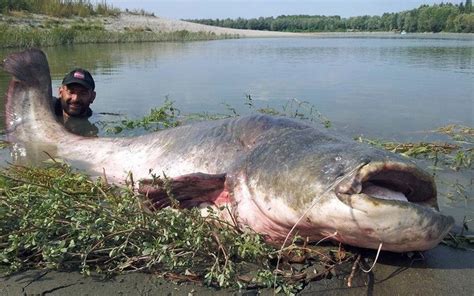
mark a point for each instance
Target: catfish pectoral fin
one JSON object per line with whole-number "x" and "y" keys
{"x": 188, "y": 190}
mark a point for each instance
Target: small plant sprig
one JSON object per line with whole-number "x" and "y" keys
{"x": 293, "y": 108}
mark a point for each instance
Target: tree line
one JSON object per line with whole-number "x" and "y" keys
{"x": 444, "y": 17}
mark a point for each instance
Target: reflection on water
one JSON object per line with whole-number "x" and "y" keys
{"x": 386, "y": 88}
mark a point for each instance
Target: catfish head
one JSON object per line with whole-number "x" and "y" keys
{"x": 327, "y": 186}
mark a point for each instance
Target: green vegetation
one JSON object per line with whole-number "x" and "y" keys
{"x": 50, "y": 35}
{"x": 59, "y": 8}
{"x": 62, "y": 22}
{"x": 446, "y": 17}
{"x": 169, "y": 116}
{"x": 54, "y": 217}
{"x": 160, "y": 118}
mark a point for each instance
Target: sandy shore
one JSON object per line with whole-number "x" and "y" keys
{"x": 131, "y": 22}
{"x": 159, "y": 24}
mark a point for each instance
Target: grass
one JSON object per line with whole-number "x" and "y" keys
{"x": 77, "y": 22}
{"x": 59, "y": 8}
{"x": 23, "y": 37}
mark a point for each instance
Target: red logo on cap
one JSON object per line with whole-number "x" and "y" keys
{"x": 78, "y": 75}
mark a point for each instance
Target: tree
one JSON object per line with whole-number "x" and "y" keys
{"x": 436, "y": 18}
{"x": 468, "y": 6}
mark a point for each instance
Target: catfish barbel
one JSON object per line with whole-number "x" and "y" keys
{"x": 270, "y": 173}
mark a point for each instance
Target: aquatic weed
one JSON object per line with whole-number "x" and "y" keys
{"x": 293, "y": 108}
{"x": 167, "y": 115}
{"x": 159, "y": 118}
{"x": 461, "y": 240}
{"x": 457, "y": 154}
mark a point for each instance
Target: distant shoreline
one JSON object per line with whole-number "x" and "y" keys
{"x": 27, "y": 30}
{"x": 442, "y": 35}
{"x": 167, "y": 25}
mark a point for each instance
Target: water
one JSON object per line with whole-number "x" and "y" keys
{"x": 395, "y": 89}
{"x": 380, "y": 87}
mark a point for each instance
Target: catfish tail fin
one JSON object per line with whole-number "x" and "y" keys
{"x": 29, "y": 66}
{"x": 29, "y": 92}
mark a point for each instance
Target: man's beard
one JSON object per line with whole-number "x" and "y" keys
{"x": 74, "y": 109}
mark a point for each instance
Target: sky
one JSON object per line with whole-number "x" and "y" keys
{"x": 198, "y": 9}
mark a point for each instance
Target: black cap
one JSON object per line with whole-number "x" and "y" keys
{"x": 80, "y": 76}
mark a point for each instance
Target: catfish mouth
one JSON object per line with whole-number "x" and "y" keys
{"x": 390, "y": 182}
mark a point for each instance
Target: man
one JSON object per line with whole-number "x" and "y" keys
{"x": 74, "y": 98}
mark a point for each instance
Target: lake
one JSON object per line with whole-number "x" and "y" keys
{"x": 388, "y": 88}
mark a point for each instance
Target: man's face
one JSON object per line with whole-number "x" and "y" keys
{"x": 75, "y": 99}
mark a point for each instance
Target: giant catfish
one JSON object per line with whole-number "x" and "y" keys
{"x": 270, "y": 173}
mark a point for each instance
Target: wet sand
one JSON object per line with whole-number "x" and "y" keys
{"x": 443, "y": 271}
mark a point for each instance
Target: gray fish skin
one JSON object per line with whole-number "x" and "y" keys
{"x": 270, "y": 173}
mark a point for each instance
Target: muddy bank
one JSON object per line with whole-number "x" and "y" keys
{"x": 440, "y": 271}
